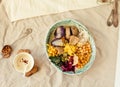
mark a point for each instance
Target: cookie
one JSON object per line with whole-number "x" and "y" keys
{"x": 6, "y": 51}
{"x": 34, "y": 70}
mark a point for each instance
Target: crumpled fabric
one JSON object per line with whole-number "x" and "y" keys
{"x": 31, "y": 34}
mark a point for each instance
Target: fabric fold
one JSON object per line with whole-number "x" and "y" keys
{"x": 21, "y": 9}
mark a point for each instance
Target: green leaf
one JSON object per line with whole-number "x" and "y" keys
{"x": 56, "y": 60}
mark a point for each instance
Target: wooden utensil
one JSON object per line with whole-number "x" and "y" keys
{"x": 113, "y": 18}
{"x": 115, "y": 13}
{"x": 110, "y": 18}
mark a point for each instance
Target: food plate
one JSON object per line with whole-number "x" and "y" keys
{"x": 70, "y": 47}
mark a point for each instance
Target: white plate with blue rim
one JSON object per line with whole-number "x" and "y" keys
{"x": 80, "y": 27}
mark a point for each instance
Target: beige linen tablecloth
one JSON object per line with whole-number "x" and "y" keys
{"x": 31, "y": 34}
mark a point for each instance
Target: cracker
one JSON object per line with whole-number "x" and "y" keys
{"x": 34, "y": 70}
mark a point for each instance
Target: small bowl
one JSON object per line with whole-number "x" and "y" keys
{"x": 23, "y": 62}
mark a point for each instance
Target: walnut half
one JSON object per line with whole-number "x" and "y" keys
{"x": 6, "y": 51}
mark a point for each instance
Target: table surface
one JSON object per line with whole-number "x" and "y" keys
{"x": 21, "y": 26}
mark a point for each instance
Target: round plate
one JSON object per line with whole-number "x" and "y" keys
{"x": 71, "y": 22}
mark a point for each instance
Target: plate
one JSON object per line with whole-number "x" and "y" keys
{"x": 55, "y": 42}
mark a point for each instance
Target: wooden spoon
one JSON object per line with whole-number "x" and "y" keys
{"x": 115, "y": 13}
{"x": 110, "y": 19}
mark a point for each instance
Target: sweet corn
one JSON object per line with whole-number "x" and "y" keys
{"x": 70, "y": 49}
{"x": 52, "y": 51}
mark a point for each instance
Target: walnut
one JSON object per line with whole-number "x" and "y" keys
{"x": 34, "y": 70}
{"x": 6, "y": 51}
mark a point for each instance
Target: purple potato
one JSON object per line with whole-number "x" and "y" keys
{"x": 59, "y": 32}
{"x": 68, "y": 32}
{"x": 57, "y": 42}
{"x": 74, "y": 30}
